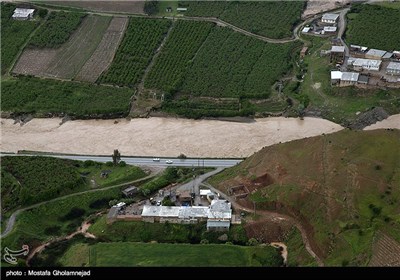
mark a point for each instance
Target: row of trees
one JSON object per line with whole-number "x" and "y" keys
{"x": 56, "y": 30}
{"x": 142, "y": 38}
{"x": 46, "y": 96}
{"x": 374, "y": 26}
{"x": 181, "y": 46}
{"x": 274, "y": 19}
{"x": 28, "y": 180}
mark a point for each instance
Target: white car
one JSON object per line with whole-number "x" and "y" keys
{"x": 156, "y": 159}
{"x": 169, "y": 161}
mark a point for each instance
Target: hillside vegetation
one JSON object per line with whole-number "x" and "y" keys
{"x": 46, "y": 97}
{"x": 374, "y": 26}
{"x": 273, "y": 19}
{"x": 342, "y": 187}
{"x": 56, "y": 30}
{"x": 14, "y": 33}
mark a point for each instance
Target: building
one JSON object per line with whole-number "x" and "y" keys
{"x": 306, "y": 29}
{"x": 337, "y": 54}
{"x": 336, "y": 76}
{"x": 387, "y": 56}
{"x": 375, "y": 54}
{"x": 23, "y": 14}
{"x": 114, "y": 211}
{"x": 303, "y": 52}
{"x": 344, "y": 79}
{"x": 393, "y": 68}
{"x": 363, "y": 79}
{"x": 185, "y": 196}
{"x": 330, "y": 29}
{"x": 181, "y": 9}
{"x": 131, "y": 191}
{"x": 330, "y": 18}
{"x": 218, "y": 215}
{"x": 360, "y": 64}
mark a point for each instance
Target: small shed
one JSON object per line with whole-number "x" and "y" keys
{"x": 181, "y": 9}
{"x": 130, "y": 191}
{"x": 306, "y": 30}
{"x": 330, "y": 29}
{"x": 363, "y": 79}
{"x": 303, "y": 52}
{"x": 23, "y": 14}
{"x": 218, "y": 225}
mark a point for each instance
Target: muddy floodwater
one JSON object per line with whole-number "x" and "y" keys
{"x": 390, "y": 122}
{"x": 158, "y": 136}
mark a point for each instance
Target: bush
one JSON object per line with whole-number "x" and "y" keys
{"x": 88, "y": 163}
{"x": 109, "y": 164}
{"x": 204, "y": 241}
{"x": 74, "y": 213}
{"x": 252, "y": 242}
{"x": 122, "y": 163}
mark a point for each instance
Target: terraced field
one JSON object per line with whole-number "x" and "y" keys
{"x": 385, "y": 251}
{"x": 66, "y": 61}
{"x": 105, "y": 52}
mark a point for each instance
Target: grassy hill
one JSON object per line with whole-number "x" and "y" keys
{"x": 344, "y": 189}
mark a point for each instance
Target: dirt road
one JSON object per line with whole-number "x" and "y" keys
{"x": 163, "y": 137}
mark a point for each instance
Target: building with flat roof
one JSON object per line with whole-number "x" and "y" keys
{"x": 393, "y": 68}
{"x": 375, "y": 54}
{"x": 337, "y": 54}
{"x": 360, "y": 64}
{"x": 344, "y": 79}
{"x": 130, "y": 191}
{"x": 23, "y": 14}
{"x": 330, "y": 18}
{"x": 330, "y": 29}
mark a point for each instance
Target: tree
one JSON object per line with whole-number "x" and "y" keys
{"x": 116, "y": 157}
{"x": 150, "y": 7}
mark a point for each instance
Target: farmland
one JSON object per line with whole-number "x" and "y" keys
{"x": 44, "y": 97}
{"x": 374, "y": 26}
{"x": 56, "y": 30}
{"x": 11, "y": 44}
{"x": 180, "y": 48}
{"x": 139, "y": 254}
{"x": 228, "y": 70}
{"x": 132, "y": 7}
{"x": 274, "y": 19}
{"x": 105, "y": 51}
{"x": 29, "y": 180}
{"x": 142, "y": 38}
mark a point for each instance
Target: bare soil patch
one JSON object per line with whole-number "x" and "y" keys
{"x": 131, "y": 7}
{"x": 34, "y": 61}
{"x": 385, "y": 251}
{"x": 319, "y": 6}
{"x": 105, "y": 52}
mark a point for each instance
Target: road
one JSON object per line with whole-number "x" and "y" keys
{"x": 188, "y": 162}
{"x": 342, "y": 27}
{"x": 11, "y": 220}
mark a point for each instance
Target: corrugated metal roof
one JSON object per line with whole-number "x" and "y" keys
{"x": 217, "y": 223}
{"x": 20, "y": 12}
{"x": 393, "y": 66}
{"x": 363, "y": 62}
{"x": 329, "y": 16}
{"x": 375, "y": 52}
{"x": 337, "y": 49}
{"x": 350, "y": 76}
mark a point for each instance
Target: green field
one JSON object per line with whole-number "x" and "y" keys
{"x": 57, "y": 29}
{"x": 45, "y": 97}
{"x": 29, "y": 180}
{"x": 228, "y": 72}
{"x": 176, "y": 55}
{"x": 142, "y": 38}
{"x": 273, "y": 19}
{"x": 374, "y": 26}
{"x": 14, "y": 34}
{"x": 187, "y": 255}
{"x": 342, "y": 187}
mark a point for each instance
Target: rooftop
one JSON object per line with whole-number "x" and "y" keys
{"x": 350, "y": 76}
{"x": 337, "y": 49}
{"x": 217, "y": 223}
{"x": 129, "y": 189}
{"x": 375, "y": 52}
{"x": 363, "y": 79}
{"x": 330, "y": 28}
{"x": 306, "y": 29}
{"x": 20, "y": 12}
{"x": 362, "y": 62}
{"x": 393, "y": 66}
{"x": 336, "y": 75}
{"x": 329, "y": 16}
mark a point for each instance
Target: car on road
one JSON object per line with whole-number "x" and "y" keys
{"x": 169, "y": 161}
{"x": 156, "y": 159}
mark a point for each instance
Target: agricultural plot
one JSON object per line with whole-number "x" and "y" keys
{"x": 57, "y": 30}
{"x": 229, "y": 69}
{"x": 66, "y": 61}
{"x": 50, "y": 97}
{"x": 142, "y": 38}
{"x": 104, "y": 54}
{"x": 132, "y": 7}
{"x": 374, "y": 26}
{"x": 10, "y": 42}
{"x": 385, "y": 251}
{"x": 273, "y": 19}
{"x": 180, "y": 48}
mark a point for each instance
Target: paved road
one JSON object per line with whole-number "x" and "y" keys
{"x": 147, "y": 161}
{"x": 11, "y": 220}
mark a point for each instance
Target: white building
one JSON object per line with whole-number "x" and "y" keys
{"x": 330, "y": 18}
{"x": 23, "y": 14}
{"x": 393, "y": 68}
{"x": 344, "y": 79}
{"x": 364, "y": 64}
{"x": 306, "y": 30}
{"x": 375, "y": 54}
{"x": 181, "y": 9}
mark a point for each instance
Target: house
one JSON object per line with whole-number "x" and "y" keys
{"x": 306, "y": 29}
{"x": 218, "y": 225}
{"x": 130, "y": 191}
{"x": 360, "y": 64}
{"x": 363, "y": 79}
{"x": 349, "y": 79}
{"x": 330, "y": 29}
{"x": 181, "y": 9}
{"x": 337, "y": 54}
{"x": 330, "y": 18}
{"x": 23, "y": 14}
{"x": 375, "y": 54}
{"x": 393, "y": 68}
{"x": 303, "y": 52}
{"x": 336, "y": 76}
